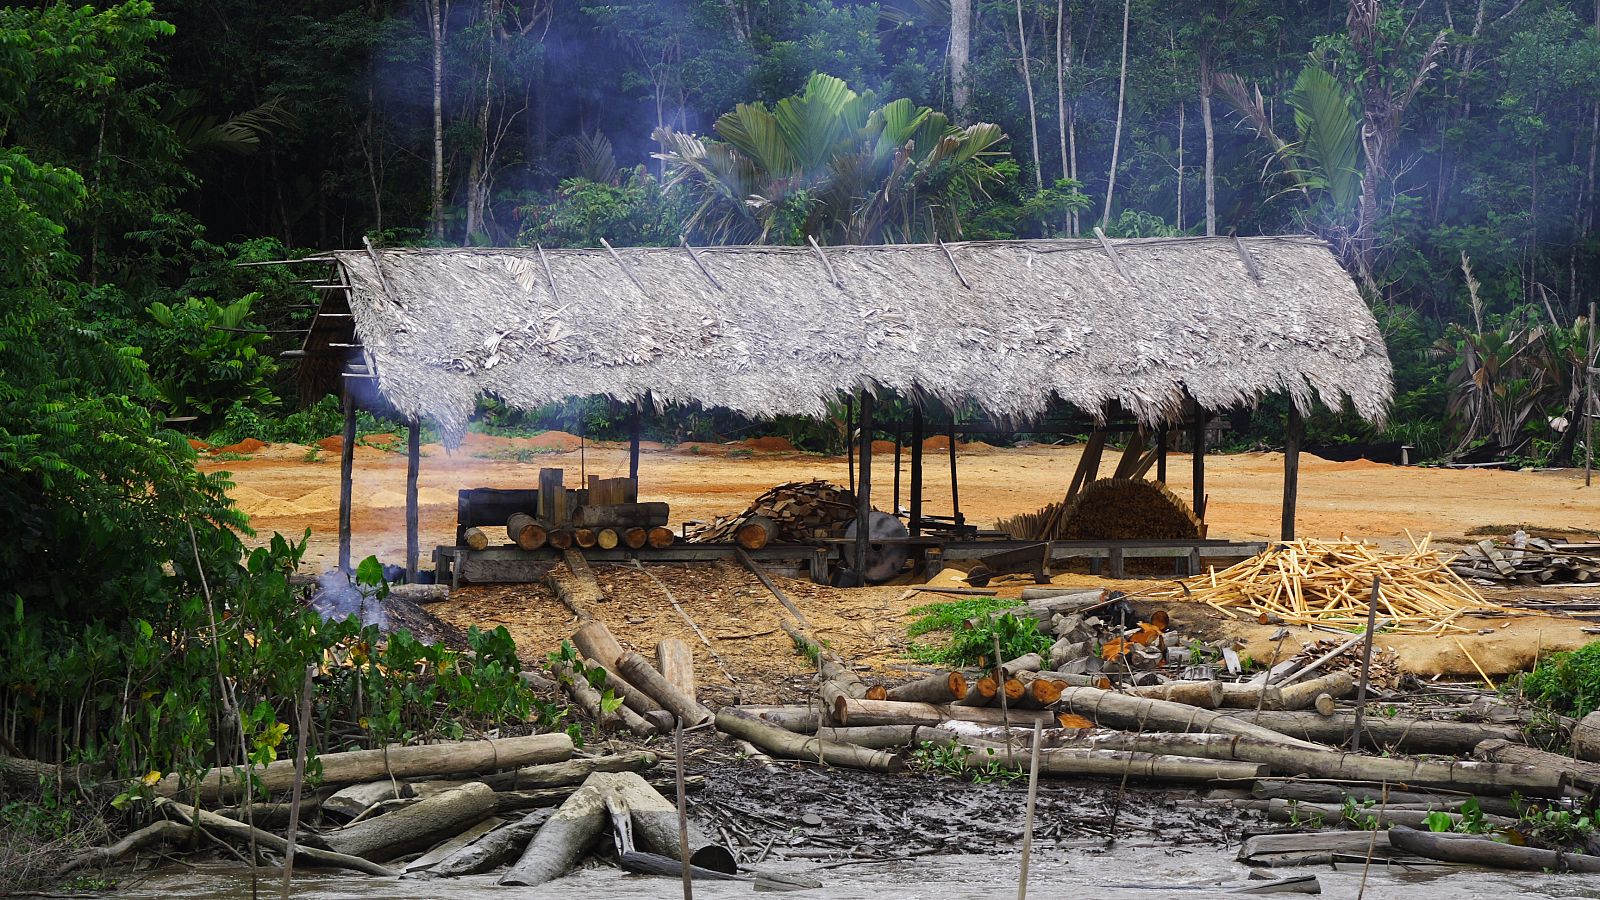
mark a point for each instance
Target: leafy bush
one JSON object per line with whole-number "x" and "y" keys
{"x": 1567, "y": 683}
{"x": 206, "y": 357}
{"x": 974, "y": 644}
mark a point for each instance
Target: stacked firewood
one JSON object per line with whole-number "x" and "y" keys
{"x": 794, "y": 512}
{"x": 1524, "y": 559}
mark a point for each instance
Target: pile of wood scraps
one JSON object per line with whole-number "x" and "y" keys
{"x": 1328, "y": 584}
{"x": 605, "y": 514}
{"x": 1524, "y": 559}
{"x": 794, "y": 512}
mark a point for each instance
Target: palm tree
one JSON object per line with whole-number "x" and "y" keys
{"x": 830, "y": 165}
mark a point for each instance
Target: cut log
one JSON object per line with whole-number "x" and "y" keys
{"x": 525, "y": 531}
{"x": 1280, "y": 809}
{"x": 1322, "y": 792}
{"x": 888, "y": 737}
{"x": 1586, "y": 738}
{"x": 788, "y": 745}
{"x": 889, "y": 712}
{"x": 654, "y": 822}
{"x": 475, "y": 538}
{"x": 562, "y": 842}
{"x": 1403, "y": 735}
{"x": 164, "y": 831}
{"x": 644, "y": 676}
{"x": 940, "y": 688}
{"x": 518, "y": 802}
{"x": 1074, "y": 679}
{"x": 1122, "y": 711}
{"x": 358, "y": 766}
{"x": 1201, "y": 694}
{"x": 607, "y": 539}
{"x": 356, "y": 799}
{"x": 636, "y": 700}
{"x": 1044, "y": 691}
{"x": 1302, "y": 694}
{"x": 561, "y": 774}
{"x": 1325, "y": 705}
{"x": 561, "y": 538}
{"x": 494, "y": 849}
{"x": 676, "y": 664}
{"x": 1028, "y": 662}
{"x": 981, "y": 691}
{"x": 1582, "y": 774}
{"x": 635, "y": 538}
{"x": 798, "y": 719}
{"x": 660, "y": 537}
{"x": 1315, "y": 848}
{"x": 416, "y": 827}
{"x": 1248, "y": 695}
{"x": 576, "y": 587}
{"x": 622, "y": 515}
{"x": 595, "y": 641}
{"x": 592, "y": 702}
{"x": 585, "y": 538}
{"x": 244, "y": 834}
{"x": 1117, "y": 763}
{"x": 1485, "y": 852}
{"x": 755, "y": 532}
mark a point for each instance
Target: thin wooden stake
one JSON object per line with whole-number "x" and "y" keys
{"x": 825, "y": 263}
{"x": 1005, "y": 709}
{"x": 1366, "y": 661}
{"x": 1486, "y": 679}
{"x": 683, "y": 815}
{"x": 952, "y": 258}
{"x": 302, "y": 733}
{"x": 548, "y": 275}
{"x": 623, "y": 266}
{"x": 1033, "y": 793}
{"x": 702, "y": 267}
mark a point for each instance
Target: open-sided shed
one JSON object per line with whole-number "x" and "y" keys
{"x": 1154, "y": 327}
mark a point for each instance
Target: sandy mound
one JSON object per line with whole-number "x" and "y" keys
{"x": 248, "y": 445}
{"x": 331, "y": 444}
{"x": 770, "y": 444}
{"x": 198, "y": 446}
{"x": 552, "y": 440}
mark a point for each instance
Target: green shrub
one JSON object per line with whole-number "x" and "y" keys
{"x": 973, "y": 644}
{"x": 1567, "y": 683}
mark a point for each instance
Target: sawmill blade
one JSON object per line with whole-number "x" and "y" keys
{"x": 884, "y": 561}
{"x": 1123, "y": 509}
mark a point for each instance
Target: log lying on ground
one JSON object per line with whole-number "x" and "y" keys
{"x": 1074, "y": 679}
{"x": 354, "y": 800}
{"x": 889, "y": 712}
{"x": 475, "y": 538}
{"x": 655, "y": 822}
{"x": 561, "y": 538}
{"x": 1485, "y": 852}
{"x": 1121, "y": 711}
{"x": 416, "y": 827}
{"x": 526, "y": 532}
{"x": 1201, "y": 694}
{"x": 798, "y": 719}
{"x": 1120, "y": 763}
{"x": 161, "y": 832}
{"x": 642, "y": 675}
{"x": 622, "y": 515}
{"x": 358, "y": 766}
{"x": 1302, "y": 694}
{"x": 676, "y": 664}
{"x": 1404, "y": 735}
{"x": 560, "y": 774}
{"x": 242, "y": 833}
{"x": 1043, "y": 609}
{"x": 1402, "y": 773}
{"x": 1582, "y": 775}
{"x": 1028, "y": 662}
{"x": 637, "y": 700}
{"x": 635, "y": 538}
{"x": 944, "y": 687}
{"x": 575, "y": 586}
{"x": 519, "y": 802}
{"x": 1586, "y": 738}
{"x": 888, "y": 737}
{"x": 584, "y": 538}
{"x": 1248, "y": 695}
{"x": 1315, "y": 848}
{"x": 1043, "y": 690}
{"x": 607, "y": 539}
{"x": 592, "y": 702}
{"x": 562, "y": 842}
{"x": 494, "y": 849}
{"x": 981, "y": 691}
{"x": 660, "y": 537}
{"x": 756, "y": 532}
{"x": 789, "y": 745}
{"x": 1282, "y": 810}
{"x": 1323, "y": 792}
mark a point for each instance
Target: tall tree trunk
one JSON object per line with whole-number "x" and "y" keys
{"x": 480, "y": 165}
{"x": 436, "y": 22}
{"x": 1211, "y": 145}
{"x": 960, "y": 51}
{"x": 1033, "y": 110}
{"x": 1116, "y": 135}
{"x": 1063, "y": 61}
{"x": 1180, "y": 165}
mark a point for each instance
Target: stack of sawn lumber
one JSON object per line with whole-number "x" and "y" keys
{"x": 793, "y": 512}
{"x": 1525, "y": 559}
{"x": 1328, "y": 584}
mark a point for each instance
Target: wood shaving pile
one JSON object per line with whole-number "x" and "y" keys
{"x": 1328, "y": 583}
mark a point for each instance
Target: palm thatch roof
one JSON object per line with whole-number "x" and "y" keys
{"x": 772, "y": 330}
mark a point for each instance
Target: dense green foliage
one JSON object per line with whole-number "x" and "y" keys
{"x": 974, "y": 630}
{"x": 1566, "y": 683}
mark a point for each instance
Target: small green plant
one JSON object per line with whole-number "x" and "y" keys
{"x": 1439, "y": 822}
{"x": 809, "y": 650}
{"x": 1558, "y": 827}
{"x": 313, "y": 454}
{"x": 1300, "y": 821}
{"x": 229, "y": 456}
{"x": 940, "y": 759}
{"x": 992, "y": 770}
{"x": 1566, "y": 683}
{"x": 975, "y": 644}
{"x": 1358, "y": 816}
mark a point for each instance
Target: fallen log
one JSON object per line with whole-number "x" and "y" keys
{"x": 526, "y": 532}
{"x": 1315, "y": 848}
{"x": 637, "y": 700}
{"x": 607, "y": 539}
{"x": 1074, "y": 679}
{"x": 585, "y": 538}
{"x": 164, "y": 831}
{"x": 1303, "y": 694}
{"x": 595, "y": 641}
{"x": 798, "y": 719}
{"x": 358, "y": 766}
{"x": 889, "y": 712}
{"x": 562, "y": 842}
{"x": 755, "y": 532}
{"x": 416, "y": 827}
{"x": 561, "y": 538}
{"x": 1028, "y": 662}
{"x": 1248, "y": 695}
{"x": 789, "y": 745}
{"x": 676, "y": 664}
{"x": 1122, "y": 711}
{"x": 356, "y": 799}
{"x": 575, "y": 586}
{"x": 654, "y": 822}
{"x": 494, "y": 849}
{"x": 1485, "y": 852}
{"x": 1582, "y": 774}
{"x": 641, "y": 674}
{"x": 1043, "y": 691}
{"x": 888, "y": 737}
{"x": 1121, "y": 763}
{"x": 1385, "y": 816}
{"x": 1586, "y": 738}
{"x": 242, "y": 833}
{"x": 1201, "y": 694}
{"x": 475, "y": 538}
{"x": 639, "y": 862}
{"x": 592, "y": 702}
{"x": 622, "y": 515}
{"x": 560, "y": 774}
{"x": 981, "y": 691}
{"x": 1404, "y": 735}
{"x": 1326, "y": 792}
{"x": 940, "y": 688}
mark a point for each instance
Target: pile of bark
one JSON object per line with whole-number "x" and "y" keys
{"x": 794, "y": 512}
{"x": 1529, "y": 560}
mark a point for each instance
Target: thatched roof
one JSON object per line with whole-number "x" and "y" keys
{"x": 772, "y": 330}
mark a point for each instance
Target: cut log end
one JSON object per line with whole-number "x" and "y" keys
{"x": 660, "y": 537}
{"x": 635, "y": 538}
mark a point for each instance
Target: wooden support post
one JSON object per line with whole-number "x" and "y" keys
{"x": 1197, "y": 432}
{"x": 894, "y": 505}
{"x": 916, "y": 471}
{"x": 634, "y": 430}
{"x": 347, "y": 462}
{"x": 864, "y": 495}
{"x": 1366, "y": 661}
{"x": 955, "y": 486}
{"x": 413, "y": 463}
{"x": 1294, "y": 436}
{"x": 849, "y": 440}
{"x": 1161, "y": 453}
{"x": 1590, "y": 363}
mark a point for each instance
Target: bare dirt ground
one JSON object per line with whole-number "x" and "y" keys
{"x": 288, "y": 488}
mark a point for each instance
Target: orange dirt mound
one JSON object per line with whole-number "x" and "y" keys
{"x": 882, "y": 447}
{"x": 770, "y": 444}
{"x": 198, "y": 446}
{"x": 332, "y": 444}
{"x": 248, "y": 445}
{"x": 937, "y": 442}
{"x": 554, "y": 440}
{"x": 380, "y": 440}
